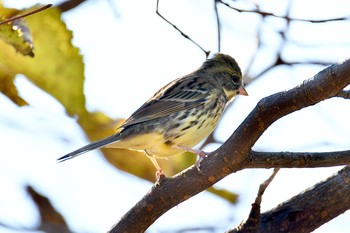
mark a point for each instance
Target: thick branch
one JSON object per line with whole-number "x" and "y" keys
{"x": 325, "y": 201}
{"x": 326, "y": 84}
{"x": 298, "y": 159}
{"x": 233, "y": 154}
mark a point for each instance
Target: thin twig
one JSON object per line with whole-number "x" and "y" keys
{"x": 264, "y": 13}
{"x": 280, "y": 61}
{"x": 26, "y": 14}
{"x": 218, "y": 24}
{"x": 258, "y": 45}
{"x": 183, "y": 34}
{"x": 253, "y": 221}
{"x": 264, "y": 186}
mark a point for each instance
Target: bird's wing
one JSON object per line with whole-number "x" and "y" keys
{"x": 166, "y": 102}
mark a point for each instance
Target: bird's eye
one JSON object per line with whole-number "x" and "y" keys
{"x": 235, "y": 78}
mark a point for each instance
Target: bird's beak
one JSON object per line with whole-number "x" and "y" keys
{"x": 242, "y": 91}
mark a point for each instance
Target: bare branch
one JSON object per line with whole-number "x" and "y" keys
{"x": 218, "y": 24}
{"x": 253, "y": 221}
{"x": 264, "y": 14}
{"x": 280, "y": 61}
{"x": 264, "y": 186}
{"x": 26, "y": 14}
{"x": 233, "y": 154}
{"x": 321, "y": 203}
{"x": 69, "y": 4}
{"x": 298, "y": 159}
{"x": 183, "y": 34}
{"x": 325, "y": 201}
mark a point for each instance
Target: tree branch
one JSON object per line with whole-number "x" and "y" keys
{"x": 26, "y": 14}
{"x": 265, "y": 13}
{"x": 69, "y": 4}
{"x": 298, "y": 159}
{"x": 233, "y": 155}
{"x": 325, "y": 201}
{"x": 218, "y": 24}
{"x": 253, "y": 221}
{"x": 344, "y": 94}
{"x": 177, "y": 29}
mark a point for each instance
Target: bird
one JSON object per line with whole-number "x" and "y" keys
{"x": 178, "y": 116}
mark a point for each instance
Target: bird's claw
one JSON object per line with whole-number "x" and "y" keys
{"x": 160, "y": 176}
{"x": 198, "y": 163}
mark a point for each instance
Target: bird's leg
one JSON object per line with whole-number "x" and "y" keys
{"x": 159, "y": 172}
{"x": 200, "y": 153}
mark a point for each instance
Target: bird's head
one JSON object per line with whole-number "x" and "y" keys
{"x": 226, "y": 71}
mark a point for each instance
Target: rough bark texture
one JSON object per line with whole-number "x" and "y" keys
{"x": 312, "y": 208}
{"x": 304, "y": 212}
{"x": 235, "y": 154}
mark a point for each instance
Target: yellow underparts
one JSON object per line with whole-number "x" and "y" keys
{"x": 154, "y": 143}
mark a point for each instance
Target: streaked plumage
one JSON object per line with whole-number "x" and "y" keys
{"x": 179, "y": 115}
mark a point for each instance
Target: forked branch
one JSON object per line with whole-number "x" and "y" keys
{"x": 233, "y": 155}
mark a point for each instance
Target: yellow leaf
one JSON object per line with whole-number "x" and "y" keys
{"x": 8, "y": 88}
{"x": 57, "y": 67}
{"x": 18, "y": 36}
{"x": 225, "y": 194}
{"x": 16, "y": 33}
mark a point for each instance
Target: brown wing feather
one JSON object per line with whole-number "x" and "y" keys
{"x": 167, "y": 104}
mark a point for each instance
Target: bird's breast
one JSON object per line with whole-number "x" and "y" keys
{"x": 196, "y": 124}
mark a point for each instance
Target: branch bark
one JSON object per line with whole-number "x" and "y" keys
{"x": 69, "y": 5}
{"x": 310, "y": 209}
{"x": 233, "y": 155}
{"x": 306, "y": 211}
{"x": 253, "y": 222}
{"x": 298, "y": 159}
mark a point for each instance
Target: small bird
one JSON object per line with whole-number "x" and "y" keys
{"x": 179, "y": 115}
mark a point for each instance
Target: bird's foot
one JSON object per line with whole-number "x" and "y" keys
{"x": 160, "y": 176}
{"x": 200, "y": 153}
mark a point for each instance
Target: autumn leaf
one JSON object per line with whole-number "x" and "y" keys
{"x": 57, "y": 67}
{"x": 8, "y": 88}
{"x": 17, "y": 35}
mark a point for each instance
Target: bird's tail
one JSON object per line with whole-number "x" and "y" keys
{"x": 92, "y": 146}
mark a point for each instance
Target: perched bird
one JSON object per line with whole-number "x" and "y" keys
{"x": 179, "y": 115}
